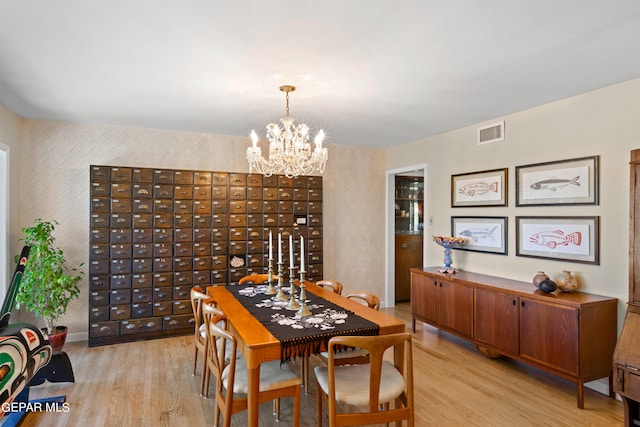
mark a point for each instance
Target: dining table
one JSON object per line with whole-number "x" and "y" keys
{"x": 258, "y": 345}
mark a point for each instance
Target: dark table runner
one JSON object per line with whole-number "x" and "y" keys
{"x": 301, "y": 336}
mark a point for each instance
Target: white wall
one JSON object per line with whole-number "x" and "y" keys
{"x": 604, "y": 122}
{"x": 9, "y": 139}
{"x": 55, "y": 183}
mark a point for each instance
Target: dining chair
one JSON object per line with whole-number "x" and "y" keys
{"x": 197, "y": 301}
{"x": 355, "y": 355}
{"x": 373, "y": 385}
{"x": 231, "y": 386}
{"x": 366, "y": 298}
{"x": 256, "y": 278}
{"x": 334, "y": 285}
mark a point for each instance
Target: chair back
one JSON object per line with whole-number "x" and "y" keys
{"x": 334, "y": 285}
{"x": 222, "y": 346}
{"x": 370, "y": 300}
{"x": 376, "y": 346}
{"x": 257, "y": 278}
{"x": 197, "y": 299}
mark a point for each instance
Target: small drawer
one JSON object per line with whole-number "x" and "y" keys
{"x": 162, "y": 191}
{"x": 142, "y": 250}
{"x": 99, "y": 283}
{"x": 142, "y": 265}
{"x": 219, "y": 234}
{"x": 285, "y": 194}
{"x": 99, "y": 299}
{"x": 162, "y": 264}
{"x": 121, "y": 251}
{"x": 150, "y": 324}
{"x": 99, "y": 266}
{"x": 315, "y": 194}
{"x": 270, "y": 207}
{"x": 219, "y": 193}
{"x": 100, "y": 205}
{"x": 183, "y": 249}
{"x": 120, "y": 189}
{"x": 182, "y": 264}
{"x": 120, "y": 266}
{"x": 183, "y": 235}
{"x": 202, "y": 263}
{"x": 254, "y": 206}
{"x": 161, "y": 294}
{"x": 143, "y": 309}
{"x": 284, "y": 182}
{"x": 238, "y": 220}
{"x": 202, "y": 193}
{"x": 269, "y": 193}
{"x": 99, "y": 314}
{"x": 202, "y": 235}
{"x": 100, "y": 173}
{"x": 238, "y": 193}
{"x": 217, "y": 221}
{"x": 142, "y": 206}
{"x": 163, "y": 206}
{"x": 182, "y": 307}
{"x": 201, "y": 207}
{"x": 142, "y": 175}
{"x": 120, "y": 296}
{"x": 301, "y": 182}
{"x": 183, "y": 192}
{"x": 120, "y": 312}
{"x": 164, "y": 220}
{"x": 285, "y": 207}
{"x": 162, "y": 279}
{"x": 142, "y": 235}
{"x": 202, "y": 277}
{"x": 219, "y": 178}
{"x": 300, "y": 194}
{"x": 219, "y": 207}
{"x": 183, "y": 321}
{"x": 255, "y": 220}
{"x": 183, "y": 278}
{"x": 183, "y": 177}
{"x": 315, "y": 182}
{"x": 254, "y": 193}
{"x": 183, "y": 221}
{"x": 121, "y": 174}
{"x": 202, "y": 249}
{"x": 237, "y": 234}
{"x": 237, "y": 179}
{"x": 219, "y": 276}
{"x": 182, "y": 207}
{"x": 315, "y": 207}
{"x": 161, "y": 176}
{"x": 163, "y": 308}
{"x": 104, "y": 329}
{"x": 100, "y": 220}
{"x": 142, "y": 295}
{"x": 218, "y": 248}
{"x": 162, "y": 235}
{"x": 142, "y": 220}
{"x": 100, "y": 189}
{"x": 181, "y": 292}
{"x": 142, "y": 280}
{"x": 254, "y": 180}
{"x": 99, "y": 252}
{"x": 142, "y": 191}
{"x": 162, "y": 250}
{"x": 121, "y": 205}
{"x": 270, "y": 181}
{"x": 121, "y": 235}
{"x": 120, "y": 281}
{"x": 254, "y": 233}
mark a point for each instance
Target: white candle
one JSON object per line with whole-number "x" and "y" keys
{"x": 279, "y": 248}
{"x": 270, "y": 248}
{"x": 291, "y": 251}
{"x": 301, "y": 253}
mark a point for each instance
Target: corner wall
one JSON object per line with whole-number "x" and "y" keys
{"x": 603, "y": 122}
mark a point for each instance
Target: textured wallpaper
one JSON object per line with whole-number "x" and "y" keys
{"x": 54, "y": 182}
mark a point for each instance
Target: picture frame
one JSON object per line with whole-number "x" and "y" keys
{"x": 560, "y": 238}
{"x": 560, "y": 182}
{"x": 483, "y": 233}
{"x": 483, "y": 188}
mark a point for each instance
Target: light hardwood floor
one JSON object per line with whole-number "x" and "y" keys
{"x": 150, "y": 383}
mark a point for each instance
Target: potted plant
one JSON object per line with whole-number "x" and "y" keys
{"x": 48, "y": 284}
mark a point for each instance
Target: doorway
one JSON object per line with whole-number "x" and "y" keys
{"x": 406, "y": 213}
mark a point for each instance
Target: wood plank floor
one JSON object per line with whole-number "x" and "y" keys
{"x": 150, "y": 383}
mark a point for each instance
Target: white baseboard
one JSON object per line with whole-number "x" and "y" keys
{"x": 77, "y": 336}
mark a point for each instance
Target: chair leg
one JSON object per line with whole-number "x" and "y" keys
{"x": 296, "y": 407}
{"x": 305, "y": 373}
{"x": 319, "y": 394}
{"x": 276, "y": 408}
{"x": 195, "y": 362}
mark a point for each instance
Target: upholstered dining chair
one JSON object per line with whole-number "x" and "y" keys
{"x": 231, "y": 386}
{"x": 356, "y": 355}
{"x": 373, "y": 385}
{"x": 197, "y": 301}
{"x": 256, "y": 278}
{"x": 334, "y": 285}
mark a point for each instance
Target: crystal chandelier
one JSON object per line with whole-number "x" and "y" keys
{"x": 289, "y": 151}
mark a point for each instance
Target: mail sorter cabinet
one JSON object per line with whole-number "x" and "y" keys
{"x": 572, "y": 335}
{"x": 156, "y": 233}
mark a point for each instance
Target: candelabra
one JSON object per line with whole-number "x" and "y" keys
{"x": 303, "y": 311}
{"x": 293, "y": 304}
{"x": 270, "y": 289}
{"x": 280, "y": 296}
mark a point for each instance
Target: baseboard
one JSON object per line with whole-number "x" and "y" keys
{"x": 77, "y": 336}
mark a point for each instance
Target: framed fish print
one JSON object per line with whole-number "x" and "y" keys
{"x": 481, "y": 233}
{"x": 486, "y": 188}
{"x": 563, "y": 238}
{"x": 562, "y": 182}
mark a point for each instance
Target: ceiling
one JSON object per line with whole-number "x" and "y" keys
{"x": 374, "y": 73}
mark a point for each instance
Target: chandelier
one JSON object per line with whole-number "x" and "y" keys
{"x": 289, "y": 151}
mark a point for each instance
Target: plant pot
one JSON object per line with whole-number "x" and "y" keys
{"x": 58, "y": 338}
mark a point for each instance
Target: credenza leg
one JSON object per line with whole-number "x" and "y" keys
{"x": 580, "y": 387}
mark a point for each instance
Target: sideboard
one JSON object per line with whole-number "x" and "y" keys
{"x": 572, "y": 335}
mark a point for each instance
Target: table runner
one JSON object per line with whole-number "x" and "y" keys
{"x": 301, "y": 336}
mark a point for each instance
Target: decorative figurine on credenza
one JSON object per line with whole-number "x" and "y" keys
{"x": 448, "y": 243}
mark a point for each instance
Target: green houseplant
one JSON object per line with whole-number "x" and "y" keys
{"x": 48, "y": 284}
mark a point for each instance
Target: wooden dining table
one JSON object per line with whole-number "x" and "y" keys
{"x": 258, "y": 345}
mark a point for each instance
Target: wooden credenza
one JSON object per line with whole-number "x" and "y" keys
{"x": 572, "y": 335}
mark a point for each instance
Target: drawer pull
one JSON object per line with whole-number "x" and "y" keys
{"x": 632, "y": 368}
{"x": 130, "y": 326}
{"x": 404, "y": 246}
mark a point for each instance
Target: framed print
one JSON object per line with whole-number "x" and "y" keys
{"x": 482, "y": 233}
{"x": 565, "y": 238}
{"x": 486, "y": 188}
{"x": 562, "y": 182}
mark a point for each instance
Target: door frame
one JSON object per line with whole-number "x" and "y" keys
{"x": 390, "y": 249}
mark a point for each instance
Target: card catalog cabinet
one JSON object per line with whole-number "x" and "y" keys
{"x": 156, "y": 233}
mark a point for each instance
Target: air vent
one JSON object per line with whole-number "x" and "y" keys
{"x": 491, "y": 133}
